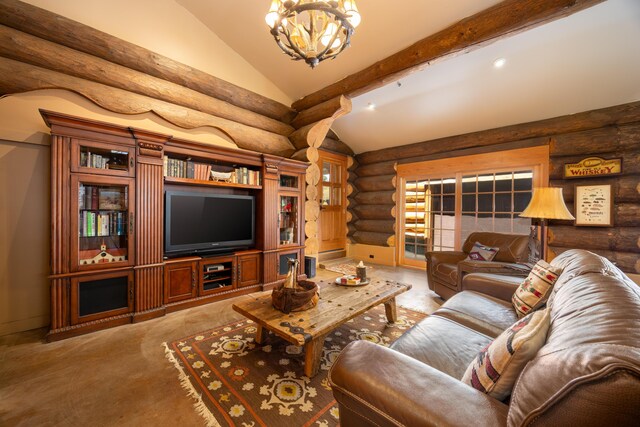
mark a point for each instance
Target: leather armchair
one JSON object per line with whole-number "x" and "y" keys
{"x": 446, "y": 269}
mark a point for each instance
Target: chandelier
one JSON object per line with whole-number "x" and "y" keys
{"x": 312, "y": 30}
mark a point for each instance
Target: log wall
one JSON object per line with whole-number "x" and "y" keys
{"x": 609, "y": 132}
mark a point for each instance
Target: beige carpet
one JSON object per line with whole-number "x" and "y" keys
{"x": 235, "y": 381}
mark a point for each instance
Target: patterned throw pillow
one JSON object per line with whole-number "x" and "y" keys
{"x": 480, "y": 252}
{"x": 535, "y": 289}
{"x": 496, "y": 368}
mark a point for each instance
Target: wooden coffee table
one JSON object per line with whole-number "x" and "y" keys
{"x": 309, "y": 328}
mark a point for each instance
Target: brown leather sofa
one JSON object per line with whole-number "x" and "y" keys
{"x": 586, "y": 374}
{"x": 446, "y": 269}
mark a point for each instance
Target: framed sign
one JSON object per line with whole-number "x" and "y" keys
{"x": 594, "y": 205}
{"x": 593, "y": 166}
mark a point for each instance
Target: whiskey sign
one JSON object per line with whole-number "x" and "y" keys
{"x": 593, "y": 166}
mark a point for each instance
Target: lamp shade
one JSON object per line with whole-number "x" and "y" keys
{"x": 547, "y": 203}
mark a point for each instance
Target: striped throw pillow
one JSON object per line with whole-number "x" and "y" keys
{"x": 536, "y": 288}
{"x": 496, "y": 368}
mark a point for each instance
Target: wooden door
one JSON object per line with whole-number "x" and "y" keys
{"x": 333, "y": 201}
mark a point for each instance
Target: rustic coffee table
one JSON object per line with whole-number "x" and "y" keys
{"x": 309, "y": 328}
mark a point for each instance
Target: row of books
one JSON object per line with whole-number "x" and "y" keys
{"x": 178, "y": 168}
{"x": 106, "y": 198}
{"x": 94, "y": 224}
{"x": 93, "y": 160}
{"x": 186, "y": 169}
{"x": 245, "y": 176}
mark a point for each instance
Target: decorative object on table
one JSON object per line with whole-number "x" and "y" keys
{"x": 547, "y": 203}
{"x": 351, "y": 280}
{"x": 593, "y": 166}
{"x": 496, "y": 368}
{"x": 311, "y": 30}
{"x": 481, "y": 252}
{"x": 345, "y": 268}
{"x": 294, "y": 295}
{"x": 361, "y": 271}
{"x": 264, "y": 384}
{"x": 593, "y": 204}
{"x": 534, "y": 291}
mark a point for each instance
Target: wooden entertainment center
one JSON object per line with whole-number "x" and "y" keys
{"x": 108, "y": 265}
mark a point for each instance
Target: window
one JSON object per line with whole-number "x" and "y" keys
{"x": 492, "y": 202}
{"x": 443, "y": 201}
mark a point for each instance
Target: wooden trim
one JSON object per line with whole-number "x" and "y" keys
{"x": 495, "y": 23}
{"x": 64, "y": 31}
{"x": 29, "y": 49}
{"x": 21, "y": 77}
{"x": 501, "y": 160}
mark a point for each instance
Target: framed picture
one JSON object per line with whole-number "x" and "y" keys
{"x": 594, "y": 205}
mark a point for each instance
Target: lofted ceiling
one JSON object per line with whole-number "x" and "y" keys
{"x": 586, "y": 61}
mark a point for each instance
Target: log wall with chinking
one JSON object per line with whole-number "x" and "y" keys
{"x": 608, "y": 133}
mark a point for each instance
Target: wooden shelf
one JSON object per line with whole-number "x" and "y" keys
{"x": 189, "y": 181}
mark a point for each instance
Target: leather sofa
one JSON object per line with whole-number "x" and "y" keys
{"x": 446, "y": 269}
{"x": 586, "y": 374}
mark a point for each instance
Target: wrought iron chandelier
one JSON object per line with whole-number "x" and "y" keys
{"x": 312, "y": 30}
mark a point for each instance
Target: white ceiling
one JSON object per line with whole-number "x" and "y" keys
{"x": 586, "y": 61}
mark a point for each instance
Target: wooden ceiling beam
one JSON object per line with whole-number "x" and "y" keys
{"x": 500, "y": 21}
{"x": 58, "y": 29}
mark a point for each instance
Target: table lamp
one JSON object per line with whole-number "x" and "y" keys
{"x": 547, "y": 203}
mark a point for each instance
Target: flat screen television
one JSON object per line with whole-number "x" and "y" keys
{"x": 199, "y": 222}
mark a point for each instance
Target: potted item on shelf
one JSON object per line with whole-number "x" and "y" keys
{"x": 294, "y": 295}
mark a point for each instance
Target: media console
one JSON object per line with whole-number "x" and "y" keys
{"x": 109, "y": 261}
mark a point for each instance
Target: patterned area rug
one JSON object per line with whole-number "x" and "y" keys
{"x": 236, "y": 382}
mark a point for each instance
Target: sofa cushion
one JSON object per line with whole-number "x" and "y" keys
{"x": 480, "y": 252}
{"x": 448, "y": 273}
{"x": 495, "y": 370}
{"x": 535, "y": 289}
{"x": 442, "y": 344}
{"x": 482, "y": 313}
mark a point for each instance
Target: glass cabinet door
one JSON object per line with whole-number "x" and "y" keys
{"x": 288, "y": 220}
{"x": 102, "y": 222}
{"x": 100, "y": 158}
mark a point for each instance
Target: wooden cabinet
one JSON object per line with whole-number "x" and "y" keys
{"x": 108, "y": 260}
{"x": 101, "y": 295}
{"x": 248, "y": 270}
{"x": 180, "y": 280}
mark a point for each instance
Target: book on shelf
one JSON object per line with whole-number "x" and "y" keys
{"x": 190, "y": 169}
{"x": 99, "y": 224}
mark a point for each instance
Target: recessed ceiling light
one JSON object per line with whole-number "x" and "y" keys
{"x": 499, "y": 63}
{"x": 371, "y": 106}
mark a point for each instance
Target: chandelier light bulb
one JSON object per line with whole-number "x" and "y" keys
{"x": 351, "y": 10}
{"x": 272, "y": 16}
{"x": 312, "y": 30}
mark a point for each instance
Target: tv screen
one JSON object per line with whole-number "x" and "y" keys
{"x": 206, "y": 222}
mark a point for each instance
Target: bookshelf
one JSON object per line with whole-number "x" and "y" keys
{"x": 108, "y": 183}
